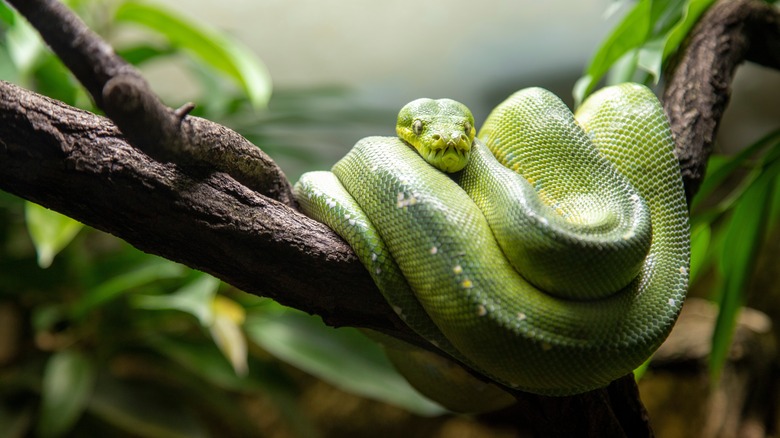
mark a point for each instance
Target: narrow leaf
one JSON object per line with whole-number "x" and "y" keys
{"x": 720, "y": 168}
{"x": 631, "y": 33}
{"x": 137, "y": 55}
{"x": 50, "y": 231}
{"x": 700, "y": 241}
{"x": 226, "y": 332}
{"x": 68, "y": 381}
{"x": 155, "y": 270}
{"x": 343, "y": 357}
{"x": 7, "y": 14}
{"x": 144, "y": 410}
{"x": 651, "y": 58}
{"x": 746, "y": 230}
{"x": 215, "y": 49}
{"x": 195, "y": 298}
{"x": 691, "y": 14}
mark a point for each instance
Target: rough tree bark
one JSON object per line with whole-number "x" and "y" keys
{"x": 198, "y": 193}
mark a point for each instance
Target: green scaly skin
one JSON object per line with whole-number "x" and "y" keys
{"x": 555, "y": 262}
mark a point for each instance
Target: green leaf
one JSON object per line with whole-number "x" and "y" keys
{"x": 623, "y": 69}
{"x": 68, "y": 381}
{"x": 692, "y": 11}
{"x": 218, "y": 51}
{"x": 7, "y": 14}
{"x": 54, "y": 80}
{"x": 774, "y": 214}
{"x": 651, "y": 58}
{"x": 641, "y": 370}
{"x": 631, "y": 33}
{"x": 155, "y": 269}
{"x": 144, "y": 410}
{"x": 204, "y": 360}
{"x": 719, "y": 168}
{"x": 226, "y": 332}
{"x": 24, "y": 45}
{"x": 344, "y": 357}
{"x": 195, "y": 298}
{"x": 50, "y": 231}
{"x": 137, "y": 55}
{"x": 746, "y": 230}
{"x": 194, "y": 362}
{"x": 700, "y": 241}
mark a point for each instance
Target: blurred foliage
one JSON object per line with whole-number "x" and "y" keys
{"x": 737, "y": 205}
{"x": 637, "y": 48}
{"x": 112, "y": 341}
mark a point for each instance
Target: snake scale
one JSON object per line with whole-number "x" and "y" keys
{"x": 549, "y": 253}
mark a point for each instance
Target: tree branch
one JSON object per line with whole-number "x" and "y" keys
{"x": 699, "y": 83}
{"x": 165, "y": 134}
{"x": 80, "y": 164}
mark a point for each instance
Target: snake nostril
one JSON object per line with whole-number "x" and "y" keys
{"x": 436, "y": 137}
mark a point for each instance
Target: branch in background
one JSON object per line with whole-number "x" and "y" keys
{"x": 163, "y": 133}
{"x": 699, "y": 85}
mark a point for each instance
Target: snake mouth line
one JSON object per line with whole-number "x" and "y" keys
{"x": 448, "y": 159}
{"x": 436, "y": 154}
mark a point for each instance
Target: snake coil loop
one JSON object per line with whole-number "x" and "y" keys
{"x": 554, "y": 262}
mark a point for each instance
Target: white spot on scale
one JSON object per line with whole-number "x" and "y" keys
{"x": 378, "y": 270}
{"x": 373, "y": 256}
{"x": 628, "y": 235}
{"x": 352, "y": 221}
{"x": 457, "y": 269}
{"x": 403, "y": 202}
{"x": 635, "y": 197}
{"x": 683, "y": 270}
{"x": 481, "y": 310}
{"x": 521, "y": 316}
{"x": 398, "y": 311}
{"x": 434, "y": 250}
{"x": 543, "y": 220}
{"x": 672, "y": 302}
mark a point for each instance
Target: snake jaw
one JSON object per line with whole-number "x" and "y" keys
{"x": 449, "y": 157}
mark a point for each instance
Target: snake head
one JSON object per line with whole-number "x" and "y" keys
{"x": 441, "y": 131}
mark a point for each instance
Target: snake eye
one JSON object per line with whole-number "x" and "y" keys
{"x": 467, "y": 127}
{"x": 417, "y": 126}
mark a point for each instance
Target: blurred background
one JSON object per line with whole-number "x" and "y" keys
{"x": 360, "y": 61}
{"x": 381, "y": 56}
{"x": 99, "y": 339}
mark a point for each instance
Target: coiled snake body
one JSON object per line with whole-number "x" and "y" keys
{"x": 552, "y": 257}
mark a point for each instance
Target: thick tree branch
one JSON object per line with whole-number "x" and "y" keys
{"x": 699, "y": 85}
{"x": 80, "y": 164}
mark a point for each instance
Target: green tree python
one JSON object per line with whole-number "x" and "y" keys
{"x": 549, "y": 253}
